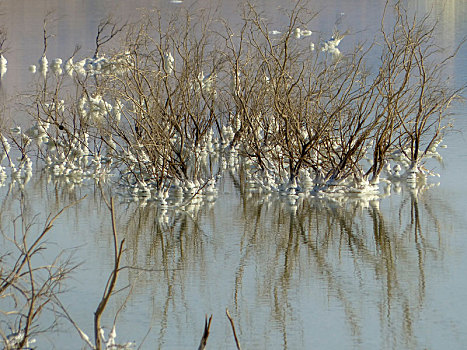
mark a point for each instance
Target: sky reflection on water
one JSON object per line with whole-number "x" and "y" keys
{"x": 360, "y": 275}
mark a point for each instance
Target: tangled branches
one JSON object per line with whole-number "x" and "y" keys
{"x": 188, "y": 96}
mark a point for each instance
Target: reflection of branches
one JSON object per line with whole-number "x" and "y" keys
{"x": 336, "y": 237}
{"x": 334, "y": 284}
{"x": 164, "y": 240}
{"x": 249, "y": 248}
{"x": 350, "y": 248}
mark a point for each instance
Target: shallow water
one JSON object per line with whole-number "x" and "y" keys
{"x": 363, "y": 275}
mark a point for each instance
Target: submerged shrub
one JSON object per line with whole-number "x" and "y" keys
{"x": 184, "y": 98}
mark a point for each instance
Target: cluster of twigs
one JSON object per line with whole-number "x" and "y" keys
{"x": 28, "y": 287}
{"x": 299, "y": 110}
{"x": 185, "y": 91}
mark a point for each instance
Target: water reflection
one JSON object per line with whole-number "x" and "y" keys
{"x": 290, "y": 274}
{"x": 367, "y": 262}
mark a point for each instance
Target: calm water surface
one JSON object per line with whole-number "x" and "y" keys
{"x": 374, "y": 275}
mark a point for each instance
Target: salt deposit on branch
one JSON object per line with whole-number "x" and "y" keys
{"x": 3, "y": 66}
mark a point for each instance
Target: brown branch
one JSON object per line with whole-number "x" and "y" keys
{"x": 233, "y": 329}
{"x": 204, "y": 339}
{"x": 111, "y": 282}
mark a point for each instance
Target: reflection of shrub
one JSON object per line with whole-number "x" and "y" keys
{"x": 185, "y": 94}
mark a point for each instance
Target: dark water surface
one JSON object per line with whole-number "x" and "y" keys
{"x": 386, "y": 274}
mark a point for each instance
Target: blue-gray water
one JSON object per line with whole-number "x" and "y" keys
{"x": 377, "y": 275}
